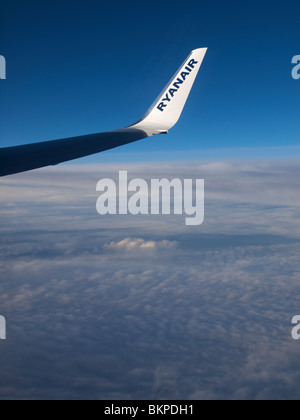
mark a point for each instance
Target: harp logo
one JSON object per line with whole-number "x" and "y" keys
{"x": 2, "y": 67}
{"x": 2, "y": 328}
{"x": 176, "y": 85}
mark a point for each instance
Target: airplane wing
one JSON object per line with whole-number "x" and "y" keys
{"x": 159, "y": 119}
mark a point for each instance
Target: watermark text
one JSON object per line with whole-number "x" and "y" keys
{"x": 2, "y": 328}
{"x": 155, "y": 197}
{"x": 2, "y": 67}
{"x": 296, "y": 68}
{"x": 296, "y": 329}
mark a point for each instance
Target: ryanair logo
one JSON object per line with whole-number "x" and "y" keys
{"x": 176, "y": 85}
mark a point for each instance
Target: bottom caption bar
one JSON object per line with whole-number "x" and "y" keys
{"x": 136, "y": 409}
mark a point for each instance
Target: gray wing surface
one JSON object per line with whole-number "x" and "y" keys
{"x": 18, "y": 159}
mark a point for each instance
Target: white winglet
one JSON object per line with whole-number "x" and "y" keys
{"x": 166, "y": 110}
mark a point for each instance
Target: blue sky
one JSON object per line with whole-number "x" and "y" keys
{"x": 85, "y": 67}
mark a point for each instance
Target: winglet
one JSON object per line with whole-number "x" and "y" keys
{"x": 166, "y": 110}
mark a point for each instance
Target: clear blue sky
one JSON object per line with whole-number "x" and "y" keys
{"x": 88, "y": 66}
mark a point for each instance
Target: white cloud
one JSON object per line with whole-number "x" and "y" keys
{"x": 129, "y": 244}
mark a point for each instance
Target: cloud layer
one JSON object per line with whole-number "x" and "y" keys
{"x": 145, "y": 307}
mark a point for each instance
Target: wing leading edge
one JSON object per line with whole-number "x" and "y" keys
{"x": 18, "y": 159}
{"x": 160, "y": 118}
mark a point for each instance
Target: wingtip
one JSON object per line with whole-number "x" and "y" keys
{"x": 200, "y": 49}
{"x": 165, "y": 111}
